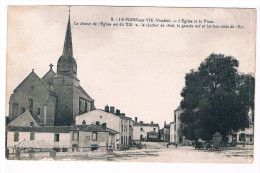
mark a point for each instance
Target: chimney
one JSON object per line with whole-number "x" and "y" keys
{"x": 97, "y": 123}
{"x": 117, "y": 112}
{"x": 83, "y": 122}
{"x": 164, "y": 122}
{"x": 141, "y": 122}
{"x": 151, "y": 122}
{"x": 112, "y": 109}
{"x": 106, "y": 108}
{"x": 104, "y": 126}
{"x": 135, "y": 118}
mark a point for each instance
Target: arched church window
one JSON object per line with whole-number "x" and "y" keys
{"x": 38, "y": 111}
{"x": 31, "y": 104}
{"x": 23, "y": 110}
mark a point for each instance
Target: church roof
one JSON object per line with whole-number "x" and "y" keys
{"x": 46, "y": 84}
{"x": 83, "y": 92}
{"x": 48, "y": 77}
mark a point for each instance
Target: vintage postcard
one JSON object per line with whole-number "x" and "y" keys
{"x": 130, "y": 84}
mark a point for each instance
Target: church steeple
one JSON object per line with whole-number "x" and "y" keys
{"x": 67, "y": 49}
{"x": 67, "y": 65}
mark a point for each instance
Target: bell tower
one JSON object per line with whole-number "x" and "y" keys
{"x": 67, "y": 65}
{"x": 66, "y": 83}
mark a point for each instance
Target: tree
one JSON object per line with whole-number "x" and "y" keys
{"x": 216, "y": 98}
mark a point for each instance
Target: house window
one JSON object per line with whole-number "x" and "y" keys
{"x": 87, "y": 138}
{"x": 75, "y": 136}
{"x": 56, "y": 137}
{"x": 100, "y": 116}
{"x": 154, "y": 129}
{"x": 86, "y": 106}
{"x": 31, "y": 104}
{"x": 38, "y": 111}
{"x": 94, "y": 136}
{"x": 141, "y": 129}
{"x": 32, "y": 136}
{"x": 31, "y": 124}
{"x": 23, "y": 110}
{"x": 16, "y": 136}
{"x": 141, "y": 137}
{"x": 242, "y": 137}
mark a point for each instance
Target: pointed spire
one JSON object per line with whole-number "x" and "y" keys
{"x": 67, "y": 49}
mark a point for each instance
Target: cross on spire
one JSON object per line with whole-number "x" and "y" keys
{"x": 51, "y": 66}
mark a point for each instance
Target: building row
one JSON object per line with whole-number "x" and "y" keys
{"x": 244, "y": 136}
{"x": 95, "y": 129}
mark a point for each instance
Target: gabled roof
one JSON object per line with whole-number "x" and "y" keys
{"x": 26, "y": 113}
{"x": 48, "y": 77}
{"x": 92, "y": 128}
{"x": 41, "y": 80}
{"x": 33, "y": 144}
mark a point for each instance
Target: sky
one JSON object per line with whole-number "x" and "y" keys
{"x": 139, "y": 70}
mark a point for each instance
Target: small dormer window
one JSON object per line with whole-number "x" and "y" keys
{"x": 31, "y": 124}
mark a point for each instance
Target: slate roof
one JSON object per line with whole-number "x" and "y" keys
{"x": 145, "y": 124}
{"x": 92, "y": 128}
{"x": 61, "y": 129}
{"x": 101, "y": 111}
{"x": 46, "y": 129}
{"x": 152, "y": 133}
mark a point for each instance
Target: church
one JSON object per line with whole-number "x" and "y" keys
{"x": 56, "y": 98}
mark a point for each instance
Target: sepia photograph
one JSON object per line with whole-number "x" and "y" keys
{"x": 130, "y": 84}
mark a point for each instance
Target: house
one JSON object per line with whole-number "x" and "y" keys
{"x": 91, "y": 137}
{"x": 114, "y": 120}
{"x": 61, "y": 138}
{"x": 45, "y": 137}
{"x": 145, "y": 131}
{"x": 165, "y": 133}
{"x": 175, "y": 129}
{"x": 246, "y": 135}
{"x": 57, "y": 97}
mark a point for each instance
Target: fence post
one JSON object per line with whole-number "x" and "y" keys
{"x": 7, "y": 153}
{"x": 31, "y": 154}
{"x": 17, "y": 154}
{"x": 53, "y": 154}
